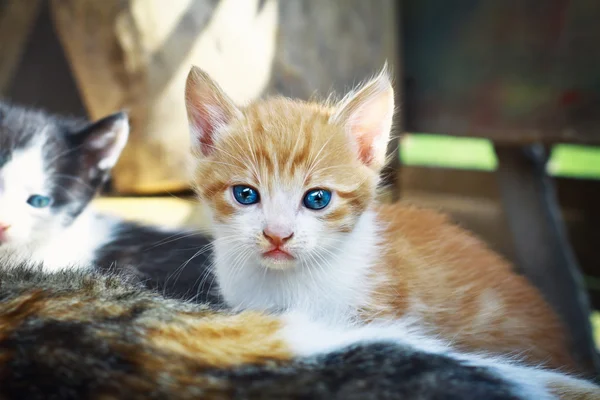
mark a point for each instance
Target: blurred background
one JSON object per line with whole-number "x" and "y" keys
{"x": 499, "y": 117}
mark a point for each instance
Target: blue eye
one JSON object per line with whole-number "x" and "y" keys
{"x": 317, "y": 199}
{"x": 39, "y": 201}
{"x": 246, "y": 195}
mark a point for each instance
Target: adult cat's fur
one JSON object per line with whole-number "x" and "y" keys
{"x": 73, "y": 334}
{"x": 354, "y": 258}
{"x": 68, "y": 160}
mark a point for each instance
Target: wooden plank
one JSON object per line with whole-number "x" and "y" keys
{"x": 572, "y": 193}
{"x": 16, "y": 20}
{"x": 43, "y": 78}
{"x": 390, "y": 172}
{"x": 136, "y": 55}
{"x": 543, "y": 250}
{"x": 516, "y": 72}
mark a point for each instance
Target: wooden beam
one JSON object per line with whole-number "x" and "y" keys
{"x": 533, "y": 84}
{"x": 111, "y": 61}
{"x": 390, "y": 173}
{"x": 136, "y": 55}
{"x": 16, "y": 20}
{"x": 543, "y": 251}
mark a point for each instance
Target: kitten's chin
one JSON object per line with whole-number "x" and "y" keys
{"x": 278, "y": 263}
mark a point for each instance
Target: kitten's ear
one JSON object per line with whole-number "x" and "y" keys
{"x": 367, "y": 116}
{"x": 209, "y": 109}
{"x": 101, "y": 142}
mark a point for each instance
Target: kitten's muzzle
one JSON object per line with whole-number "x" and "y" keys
{"x": 278, "y": 255}
{"x": 277, "y": 239}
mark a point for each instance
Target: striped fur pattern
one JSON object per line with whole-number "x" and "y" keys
{"x": 72, "y": 334}
{"x": 355, "y": 258}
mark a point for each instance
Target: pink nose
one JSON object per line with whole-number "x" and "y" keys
{"x": 277, "y": 238}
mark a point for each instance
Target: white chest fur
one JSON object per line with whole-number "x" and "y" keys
{"x": 73, "y": 247}
{"x": 332, "y": 290}
{"x": 76, "y": 246}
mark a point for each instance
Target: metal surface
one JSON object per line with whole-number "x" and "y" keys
{"x": 543, "y": 251}
{"x": 515, "y": 71}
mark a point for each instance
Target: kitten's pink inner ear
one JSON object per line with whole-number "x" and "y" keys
{"x": 371, "y": 129}
{"x": 208, "y": 108}
{"x": 367, "y": 116}
{"x": 105, "y": 140}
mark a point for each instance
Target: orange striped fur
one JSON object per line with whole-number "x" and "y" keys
{"x": 354, "y": 258}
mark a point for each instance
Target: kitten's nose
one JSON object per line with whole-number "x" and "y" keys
{"x": 277, "y": 238}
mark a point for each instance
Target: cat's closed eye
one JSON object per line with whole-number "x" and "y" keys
{"x": 245, "y": 195}
{"x": 39, "y": 201}
{"x": 316, "y": 199}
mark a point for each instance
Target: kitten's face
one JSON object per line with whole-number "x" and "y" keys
{"x": 289, "y": 182}
{"x": 25, "y": 195}
{"x": 285, "y": 180}
{"x": 48, "y": 174}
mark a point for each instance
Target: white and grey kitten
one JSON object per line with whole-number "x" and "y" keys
{"x": 50, "y": 169}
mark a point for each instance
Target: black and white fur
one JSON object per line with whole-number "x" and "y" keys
{"x": 68, "y": 160}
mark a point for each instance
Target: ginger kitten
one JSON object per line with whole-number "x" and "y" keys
{"x": 292, "y": 188}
